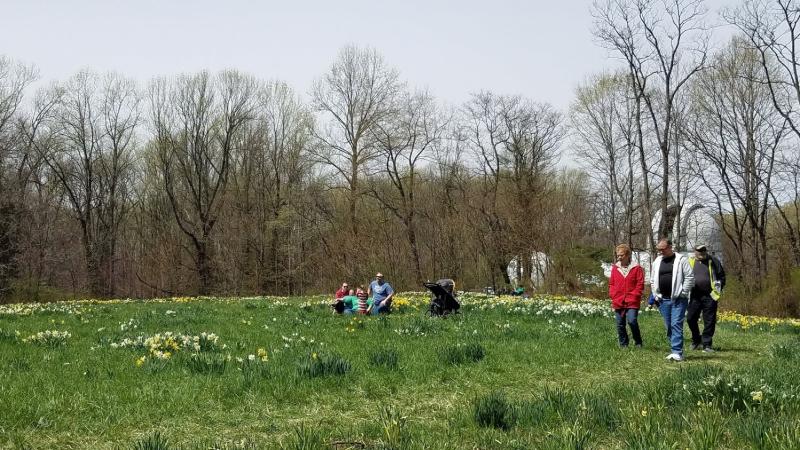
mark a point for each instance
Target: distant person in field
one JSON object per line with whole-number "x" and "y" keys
{"x": 382, "y": 293}
{"x": 671, "y": 281}
{"x": 625, "y": 288}
{"x": 363, "y": 302}
{"x": 709, "y": 280}
{"x": 338, "y": 303}
{"x": 342, "y": 291}
{"x": 350, "y": 302}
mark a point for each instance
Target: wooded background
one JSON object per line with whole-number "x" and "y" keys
{"x": 226, "y": 184}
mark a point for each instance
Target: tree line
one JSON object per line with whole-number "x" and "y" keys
{"x": 223, "y": 183}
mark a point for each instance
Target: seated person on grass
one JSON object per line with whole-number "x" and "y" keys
{"x": 382, "y": 294}
{"x": 338, "y": 303}
{"x": 363, "y": 300}
{"x": 350, "y": 302}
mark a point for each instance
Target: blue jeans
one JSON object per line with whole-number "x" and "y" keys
{"x": 629, "y": 316}
{"x": 379, "y": 309}
{"x": 674, "y": 311}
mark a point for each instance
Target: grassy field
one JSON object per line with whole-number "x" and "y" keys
{"x": 286, "y": 373}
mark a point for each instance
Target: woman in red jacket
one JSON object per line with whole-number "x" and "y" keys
{"x": 625, "y": 288}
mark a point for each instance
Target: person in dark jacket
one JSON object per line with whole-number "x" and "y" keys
{"x": 625, "y": 287}
{"x": 709, "y": 280}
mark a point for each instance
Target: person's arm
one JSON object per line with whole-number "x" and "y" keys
{"x": 635, "y": 295}
{"x": 688, "y": 278}
{"x": 720, "y": 273}
{"x": 611, "y": 284}
{"x": 388, "y": 300}
{"x": 654, "y": 279}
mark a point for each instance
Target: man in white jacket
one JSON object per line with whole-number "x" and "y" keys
{"x": 671, "y": 282}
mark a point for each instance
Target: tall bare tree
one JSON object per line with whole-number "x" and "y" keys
{"x": 356, "y": 94}
{"x": 772, "y": 28}
{"x": 90, "y": 151}
{"x": 603, "y": 121}
{"x": 664, "y": 43}
{"x": 283, "y": 166}
{"x": 735, "y": 137}
{"x": 14, "y": 79}
{"x": 405, "y": 141}
{"x": 198, "y": 121}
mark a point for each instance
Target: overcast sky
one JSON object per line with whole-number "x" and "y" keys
{"x": 538, "y": 48}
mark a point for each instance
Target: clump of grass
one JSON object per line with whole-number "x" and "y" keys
{"x": 707, "y": 429}
{"x": 8, "y": 336}
{"x": 154, "y": 441}
{"x": 156, "y": 365}
{"x": 602, "y": 412}
{"x": 645, "y": 431}
{"x": 395, "y": 429}
{"x": 461, "y": 353}
{"x": 494, "y": 410}
{"x": 206, "y": 364}
{"x": 562, "y": 404}
{"x": 19, "y": 364}
{"x": 386, "y": 358}
{"x": 253, "y": 371}
{"x": 305, "y": 438}
{"x": 575, "y": 436}
{"x": 784, "y": 435}
{"x": 788, "y": 352}
{"x": 320, "y": 365}
{"x": 754, "y": 430}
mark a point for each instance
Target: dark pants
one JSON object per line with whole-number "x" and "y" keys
{"x": 708, "y": 307}
{"x": 629, "y": 316}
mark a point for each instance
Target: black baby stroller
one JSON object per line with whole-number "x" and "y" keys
{"x": 443, "y": 300}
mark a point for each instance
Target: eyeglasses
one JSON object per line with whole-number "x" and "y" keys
{"x": 661, "y": 249}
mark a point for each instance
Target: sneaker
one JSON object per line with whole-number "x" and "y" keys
{"x": 674, "y": 357}
{"x": 696, "y": 346}
{"x": 638, "y": 345}
{"x": 708, "y": 350}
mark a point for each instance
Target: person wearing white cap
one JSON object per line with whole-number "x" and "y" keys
{"x": 709, "y": 280}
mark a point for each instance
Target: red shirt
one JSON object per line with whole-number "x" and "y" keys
{"x": 342, "y": 292}
{"x": 626, "y": 290}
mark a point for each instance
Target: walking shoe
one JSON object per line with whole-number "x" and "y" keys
{"x": 708, "y": 350}
{"x": 674, "y": 357}
{"x": 638, "y": 345}
{"x": 696, "y": 346}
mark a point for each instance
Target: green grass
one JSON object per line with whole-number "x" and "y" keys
{"x": 286, "y": 373}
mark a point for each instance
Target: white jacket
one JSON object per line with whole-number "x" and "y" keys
{"x": 682, "y": 277}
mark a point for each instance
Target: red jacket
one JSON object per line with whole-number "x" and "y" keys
{"x": 626, "y": 291}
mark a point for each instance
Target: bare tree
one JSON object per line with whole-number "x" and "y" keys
{"x": 736, "y": 134}
{"x": 772, "y": 28}
{"x": 89, "y": 149}
{"x": 515, "y": 142}
{"x": 282, "y": 167}
{"x": 14, "y": 79}
{"x": 353, "y": 97}
{"x": 486, "y": 136}
{"x": 198, "y": 120}
{"x": 406, "y": 140}
{"x": 529, "y": 155}
{"x": 664, "y": 44}
{"x": 602, "y": 118}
